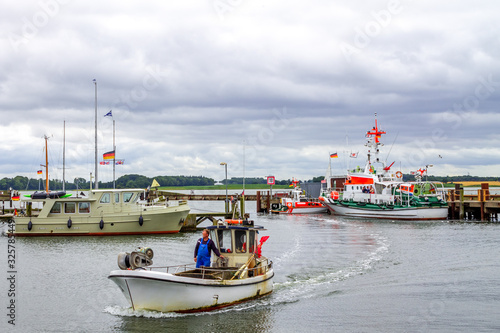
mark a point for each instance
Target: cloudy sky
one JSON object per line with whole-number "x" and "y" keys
{"x": 270, "y": 87}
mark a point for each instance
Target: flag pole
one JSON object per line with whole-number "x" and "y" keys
{"x": 330, "y": 165}
{"x": 114, "y": 156}
{"x": 95, "y": 175}
{"x": 64, "y": 157}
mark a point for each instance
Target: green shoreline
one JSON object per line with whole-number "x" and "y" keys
{"x": 262, "y": 187}
{"x": 223, "y": 187}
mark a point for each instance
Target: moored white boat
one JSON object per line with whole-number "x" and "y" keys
{"x": 380, "y": 193}
{"x": 102, "y": 213}
{"x": 240, "y": 276}
{"x": 298, "y": 203}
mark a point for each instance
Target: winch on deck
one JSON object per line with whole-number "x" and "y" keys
{"x": 136, "y": 259}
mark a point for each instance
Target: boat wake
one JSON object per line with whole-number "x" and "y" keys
{"x": 117, "y": 310}
{"x": 322, "y": 284}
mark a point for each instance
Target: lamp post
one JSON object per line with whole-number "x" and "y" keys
{"x": 225, "y": 167}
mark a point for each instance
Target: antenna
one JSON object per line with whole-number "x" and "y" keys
{"x": 392, "y": 146}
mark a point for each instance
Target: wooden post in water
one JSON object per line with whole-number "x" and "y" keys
{"x": 242, "y": 206}
{"x": 268, "y": 202}
{"x": 461, "y": 213}
{"x": 258, "y": 202}
{"x": 485, "y": 195}
{"x": 451, "y": 199}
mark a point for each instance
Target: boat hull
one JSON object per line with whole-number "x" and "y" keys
{"x": 164, "y": 292}
{"x": 163, "y": 220}
{"x": 311, "y": 210}
{"x": 405, "y": 213}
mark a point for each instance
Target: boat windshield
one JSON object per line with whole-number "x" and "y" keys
{"x": 223, "y": 237}
{"x": 127, "y": 197}
{"x": 56, "y": 209}
{"x": 69, "y": 208}
{"x": 84, "y": 207}
{"x": 106, "y": 198}
{"x": 240, "y": 240}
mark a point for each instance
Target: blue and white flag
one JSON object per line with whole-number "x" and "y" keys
{"x": 109, "y": 114}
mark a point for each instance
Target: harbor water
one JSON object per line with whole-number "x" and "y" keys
{"x": 331, "y": 274}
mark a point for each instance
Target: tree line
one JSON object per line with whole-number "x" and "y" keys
{"x": 21, "y": 183}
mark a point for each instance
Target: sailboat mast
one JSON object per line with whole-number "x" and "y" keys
{"x": 64, "y": 157}
{"x": 243, "y": 194}
{"x": 96, "y": 162}
{"x": 114, "y": 156}
{"x": 46, "y": 166}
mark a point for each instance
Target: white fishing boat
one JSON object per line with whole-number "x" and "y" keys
{"x": 298, "y": 203}
{"x": 242, "y": 274}
{"x": 378, "y": 192}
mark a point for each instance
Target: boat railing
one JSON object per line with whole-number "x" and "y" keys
{"x": 163, "y": 204}
{"x": 215, "y": 273}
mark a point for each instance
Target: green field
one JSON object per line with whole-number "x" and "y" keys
{"x": 223, "y": 187}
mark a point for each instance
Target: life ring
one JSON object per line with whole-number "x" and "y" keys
{"x": 334, "y": 195}
{"x": 399, "y": 174}
{"x": 289, "y": 204}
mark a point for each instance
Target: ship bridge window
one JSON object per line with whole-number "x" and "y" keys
{"x": 224, "y": 239}
{"x": 127, "y": 196}
{"x": 240, "y": 241}
{"x": 117, "y": 197}
{"x": 106, "y": 198}
{"x": 251, "y": 242}
{"x": 56, "y": 209}
{"x": 70, "y": 207}
{"x": 84, "y": 207}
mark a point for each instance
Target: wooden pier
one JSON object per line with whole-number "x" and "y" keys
{"x": 201, "y": 197}
{"x": 235, "y": 211}
{"x": 482, "y": 206}
{"x": 266, "y": 202}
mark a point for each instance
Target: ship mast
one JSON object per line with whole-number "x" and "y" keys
{"x": 114, "y": 156}
{"x": 373, "y": 136}
{"x": 46, "y": 166}
{"x": 96, "y": 162}
{"x": 64, "y": 157}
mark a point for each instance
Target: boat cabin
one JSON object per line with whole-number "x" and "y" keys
{"x": 237, "y": 243}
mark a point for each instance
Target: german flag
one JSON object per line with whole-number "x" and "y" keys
{"x": 110, "y": 155}
{"x": 15, "y": 197}
{"x": 334, "y": 155}
{"x": 39, "y": 172}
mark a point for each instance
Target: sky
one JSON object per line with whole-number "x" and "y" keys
{"x": 268, "y": 87}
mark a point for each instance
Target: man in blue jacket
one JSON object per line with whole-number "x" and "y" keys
{"x": 203, "y": 250}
